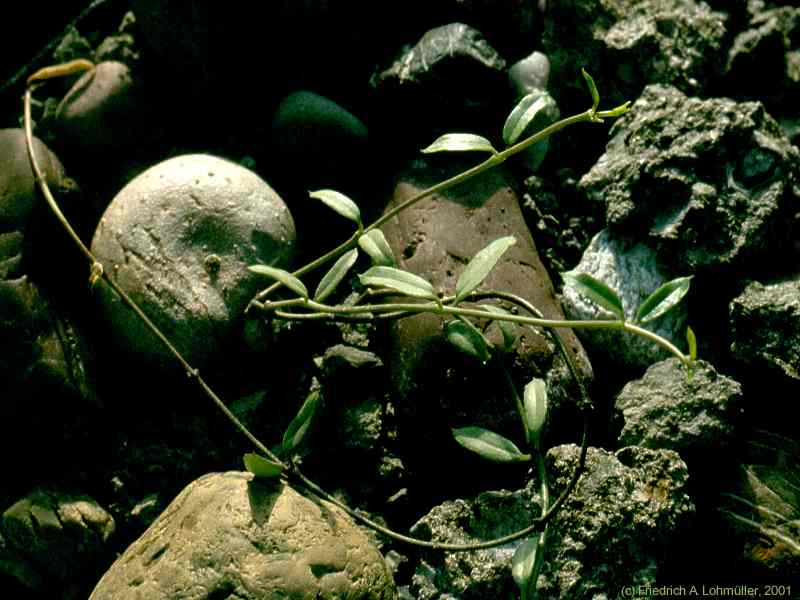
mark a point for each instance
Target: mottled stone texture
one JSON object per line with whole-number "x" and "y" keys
{"x": 695, "y": 416}
{"x": 765, "y": 327}
{"x": 626, "y": 45}
{"x": 178, "y": 239}
{"x": 711, "y": 184}
{"x": 613, "y": 530}
{"x": 228, "y": 536}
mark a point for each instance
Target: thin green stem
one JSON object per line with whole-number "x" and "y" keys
{"x": 495, "y": 159}
{"x": 99, "y": 271}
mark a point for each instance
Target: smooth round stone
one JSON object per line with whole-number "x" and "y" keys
{"x": 104, "y": 110}
{"x": 178, "y": 239}
{"x": 529, "y": 74}
{"x": 18, "y": 191}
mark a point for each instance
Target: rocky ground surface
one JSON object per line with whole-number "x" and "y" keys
{"x": 188, "y": 154}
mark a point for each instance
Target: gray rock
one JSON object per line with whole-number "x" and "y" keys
{"x": 626, "y": 45}
{"x": 613, "y": 530}
{"x": 694, "y": 416}
{"x": 227, "y": 536}
{"x": 529, "y": 74}
{"x": 634, "y": 272}
{"x": 179, "y": 238}
{"x": 103, "y": 111}
{"x": 761, "y": 61}
{"x": 471, "y": 575}
{"x": 765, "y": 327}
{"x": 448, "y": 80}
{"x": 51, "y": 538}
{"x": 709, "y": 183}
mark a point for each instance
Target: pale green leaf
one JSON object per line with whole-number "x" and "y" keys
{"x": 334, "y": 276}
{"x": 481, "y": 265}
{"x": 375, "y": 245}
{"x": 506, "y": 328}
{"x": 524, "y": 113}
{"x": 301, "y": 423}
{"x": 592, "y": 89}
{"x": 261, "y": 467}
{"x": 340, "y": 203}
{"x": 664, "y": 299}
{"x": 286, "y": 278}
{"x": 535, "y": 404}
{"x": 597, "y": 291}
{"x": 466, "y": 338}
{"x": 489, "y": 444}
{"x": 691, "y": 339}
{"x": 523, "y": 563}
{"x": 460, "y": 142}
{"x": 399, "y": 280}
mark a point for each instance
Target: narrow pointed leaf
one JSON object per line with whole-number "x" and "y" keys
{"x": 397, "y": 279}
{"x": 535, "y": 404}
{"x": 597, "y": 291}
{"x": 260, "y": 466}
{"x": 692, "y": 341}
{"x": 481, "y": 265}
{"x": 524, "y": 113}
{"x": 340, "y": 203}
{"x": 375, "y": 245}
{"x": 301, "y": 423}
{"x": 335, "y": 275}
{"x": 460, "y": 142}
{"x": 286, "y": 278}
{"x": 664, "y": 299}
{"x": 506, "y": 328}
{"x": 467, "y": 339}
{"x": 523, "y": 562}
{"x": 489, "y": 445}
{"x": 592, "y": 89}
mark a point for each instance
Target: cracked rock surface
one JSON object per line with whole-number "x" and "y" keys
{"x": 226, "y": 536}
{"x": 179, "y": 238}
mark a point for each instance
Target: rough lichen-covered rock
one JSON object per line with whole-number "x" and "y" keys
{"x": 626, "y": 45}
{"x": 710, "y": 183}
{"x": 471, "y": 575}
{"x": 50, "y": 538}
{"x": 178, "y": 239}
{"x": 228, "y": 536}
{"x": 765, "y": 327}
{"x": 633, "y": 271}
{"x": 766, "y": 53}
{"x": 693, "y": 415}
{"x": 613, "y": 530}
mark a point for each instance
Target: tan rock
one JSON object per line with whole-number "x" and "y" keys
{"x": 227, "y": 536}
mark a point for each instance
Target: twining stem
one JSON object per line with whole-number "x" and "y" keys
{"x": 590, "y": 115}
{"x": 408, "y": 308}
{"x": 98, "y": 272}
{"x": 290, "y": 471}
